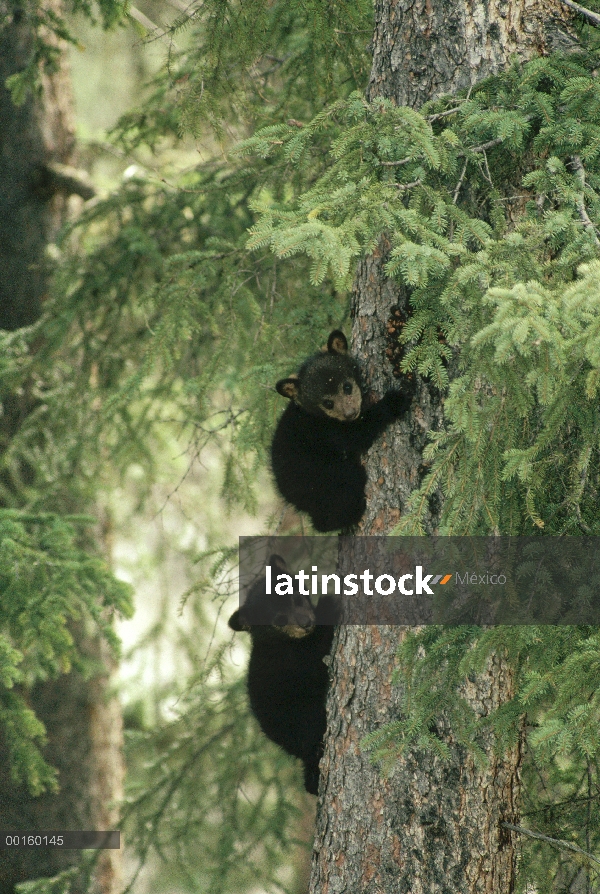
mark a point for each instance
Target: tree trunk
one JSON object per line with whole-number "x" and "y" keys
{"x": 425, "y": 49}
{"x": 32, "y": 136}
{"x": 83, "y": 723}
{"x": 429, "y": 826}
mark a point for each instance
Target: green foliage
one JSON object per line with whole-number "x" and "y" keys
{"x": 159, "y": 312}
{"x": 160, "y": 320}
{"x": 503, "y": 265}
{"x": 253, "y": 61}
{"x": 47, "y": 31}
{"x": 211, "y": 771}
{"x": 60, "y": 884}
{"x": 491, "y": 214}
{"x": 489, "y": 262}
{"x": 47, "y": 584}
{"x": 148, "y": 331}
{"x": 182, "y": 297}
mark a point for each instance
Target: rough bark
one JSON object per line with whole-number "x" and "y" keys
{"x": 31, "y": 136}
{"x": 428, "y": 48}
{"x": 82, "y": 721}
{"x": 430, "y": 826}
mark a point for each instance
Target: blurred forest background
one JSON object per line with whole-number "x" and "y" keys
{"x": 164, "y": 520}
{"x": 147, "y": 401}
{"x": 238, "y": 174}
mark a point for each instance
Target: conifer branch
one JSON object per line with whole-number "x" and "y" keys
{"x": 592, "y": 16}
{"x": 54, "y": 177}
{"x": 480, "y": 148}
{"x": 154, "y": 31}
{"x": 451, "y": 111}
{"x": 556, "y": 842}
{"x": 396, "y": 164}
{"x": 231, "y": 418}
{"x": 490, "y": 143}
{"x": 439, "y": 115}
{"x": 585, "y": 528}
{"x": 408, "y": 185}
{"x": 557, "y": 804}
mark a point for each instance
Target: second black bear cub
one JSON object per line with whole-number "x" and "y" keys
{"x": 318, "y": 441}
{"x": 287, "y": 679}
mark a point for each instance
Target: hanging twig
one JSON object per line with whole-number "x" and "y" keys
{"x": 583, "y": 476}
{"x": 460, "y": 183}
{"x": 487, "y": 170}
{"x": 483, "y": 146}
{"x": 556, "y": 842}
{"x": 394, "y": 164}
{"x": 408, "y": 185}
{"x": 438, "y": 115}
{"x": 451, "y": 111}
{"x": 592, "y": 16}
{"x": 155, "y": 33}
{"x": 405, "y": 161}
{"x": 577, "y": 166}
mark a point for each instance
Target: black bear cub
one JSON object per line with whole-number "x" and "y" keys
{"x": 318, "y": 441}
{"x": 287, "y": 679}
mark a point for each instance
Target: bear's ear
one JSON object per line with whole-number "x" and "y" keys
{"x": 289, "y": 387}
{"x": 236, "y": 623}
{"x": 337, "y": 342}
{"x": 278, "y": 564}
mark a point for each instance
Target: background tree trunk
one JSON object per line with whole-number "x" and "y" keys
{"x": 82, "y": 721}
{"x": 33, "y": 135}
{"x": 429, "y": 826}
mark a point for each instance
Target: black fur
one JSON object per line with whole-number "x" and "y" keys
{"x": 287, "y": 679}
{"x": 316, "y": 458}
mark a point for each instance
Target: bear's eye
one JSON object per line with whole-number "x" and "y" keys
{"x": 328, "y": 404}
{"x": 347, "y": 387}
